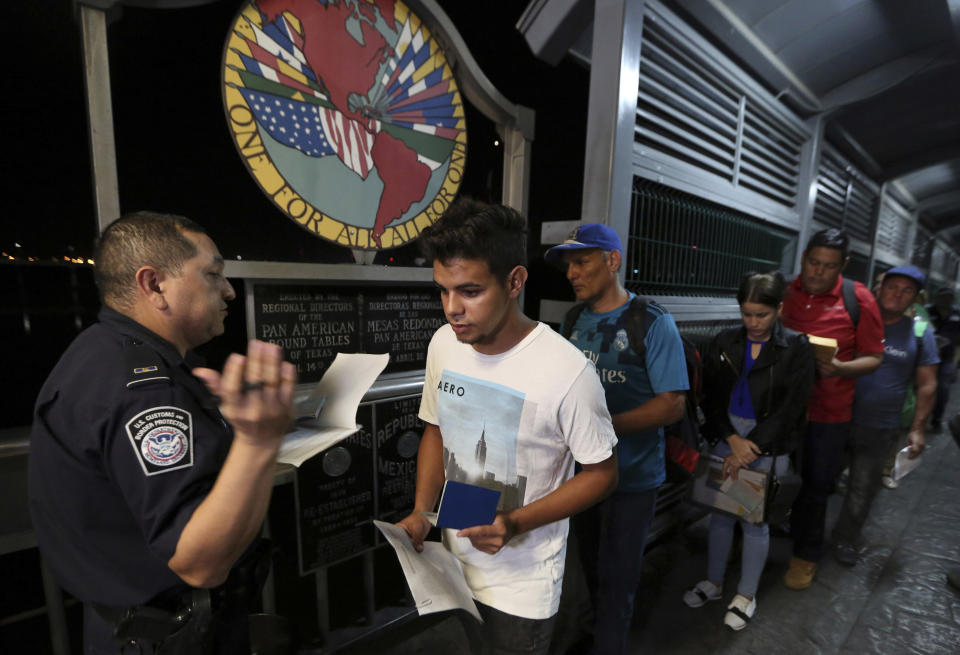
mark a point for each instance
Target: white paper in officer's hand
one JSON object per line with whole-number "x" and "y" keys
{"x": 904, "y": 464}
{"x": 334, "y": 399}
{"x": 434, "y": 576}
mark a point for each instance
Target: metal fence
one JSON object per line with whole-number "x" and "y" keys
{"x": 680, "y": 244}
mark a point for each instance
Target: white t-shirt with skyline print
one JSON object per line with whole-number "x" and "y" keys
{"x": 515, "y": 422}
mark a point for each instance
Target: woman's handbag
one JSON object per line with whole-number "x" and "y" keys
{"x": 782, "y": 490}
{"x": 756, "y": 497}
{"x": 742, "y": 498}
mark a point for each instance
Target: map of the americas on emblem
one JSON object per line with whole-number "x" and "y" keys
{"x": 347, "y": 115}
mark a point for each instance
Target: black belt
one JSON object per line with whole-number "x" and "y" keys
{"x": 154, "y": 623}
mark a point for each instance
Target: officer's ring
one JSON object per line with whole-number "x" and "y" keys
{"x": 253, "y": 386}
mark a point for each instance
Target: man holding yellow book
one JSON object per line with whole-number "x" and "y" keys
{"x": 843, "y": 322}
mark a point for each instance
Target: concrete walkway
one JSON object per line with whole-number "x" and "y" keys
{"x": 896, "y": 601}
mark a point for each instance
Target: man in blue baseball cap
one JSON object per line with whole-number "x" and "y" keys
{"x": 910, "y": 356}
{"x": 644, "y": 391}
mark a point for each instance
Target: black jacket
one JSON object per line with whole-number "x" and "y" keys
{"x": 780, "y": 382}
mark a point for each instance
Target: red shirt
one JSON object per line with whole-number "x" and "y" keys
{"x": 824, "y": 315}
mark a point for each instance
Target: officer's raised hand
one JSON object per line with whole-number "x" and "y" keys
{"x": 256, "y": 392}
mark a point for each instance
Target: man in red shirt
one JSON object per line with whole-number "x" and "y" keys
{"x": 814, "y": 304}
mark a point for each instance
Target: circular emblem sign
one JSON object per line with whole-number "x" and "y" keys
{"x": 347, "y": 115}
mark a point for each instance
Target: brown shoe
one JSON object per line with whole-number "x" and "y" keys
{"x": 800, "y": 574}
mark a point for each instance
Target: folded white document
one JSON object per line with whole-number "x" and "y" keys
{"x": 434, "y": 576}
{"x": 330, "y": 412}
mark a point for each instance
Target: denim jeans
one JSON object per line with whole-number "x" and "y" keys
{"x": 822, "y": 460}
{"x": 612, "y": 535}
{"x": 756, "y": 538}
{"x": 506, "y": 634}
{"x": 870, "y": 447}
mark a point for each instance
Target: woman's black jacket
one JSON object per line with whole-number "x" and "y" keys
{"x": 780, "y": 382}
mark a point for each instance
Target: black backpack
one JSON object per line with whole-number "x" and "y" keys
{"x": 683, "y": 441}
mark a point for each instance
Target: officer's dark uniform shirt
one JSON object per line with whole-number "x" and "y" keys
{"x": 126, "y": 443}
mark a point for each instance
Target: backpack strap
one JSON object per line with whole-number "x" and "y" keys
{"x": 638, "y": 323}
{"x": 850, "y": 303}
{"x": 570, "y": 318}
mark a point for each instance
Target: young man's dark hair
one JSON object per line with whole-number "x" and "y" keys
{"x": 143, "y": 238}
{"x": 474, "y": 230}
{"x": 830, "y": 238}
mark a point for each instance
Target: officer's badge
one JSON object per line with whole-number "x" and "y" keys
{"x": 620, "y": 342}
{"x": 162, "y": 438}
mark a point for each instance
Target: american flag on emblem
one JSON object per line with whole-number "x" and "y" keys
{"x": 415, "y": 97}
{"x": 314, "y": 130}
{"x": 350, "y": 139}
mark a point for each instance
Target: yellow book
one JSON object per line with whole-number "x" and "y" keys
{"x": 823, "y": 347}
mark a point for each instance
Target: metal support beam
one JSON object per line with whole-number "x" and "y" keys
{"x": 871, "y": 266}
{"x": 321, "y": 582}
{"x": 612, "y": 114}
{"x": 516, "y": 162}
{"x": 807, "y": 196}
{"x": 728, "y": 27}
{"x": 551, "y": 27}
{"x": 363, "y": 257}
{"x": 945, "y": 201}
{"x": 953, "y": 6}
{"x": 912, "y": 235}
{"x": 369, "y": 589}
{"x": 103, "y": 155}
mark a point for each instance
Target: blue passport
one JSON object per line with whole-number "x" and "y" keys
{"x": 466, "y": 505}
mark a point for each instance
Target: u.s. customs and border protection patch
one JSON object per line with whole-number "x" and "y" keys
{"x": 162, "y": 438}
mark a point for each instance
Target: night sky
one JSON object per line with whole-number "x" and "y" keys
{"x": 173, "y": 148}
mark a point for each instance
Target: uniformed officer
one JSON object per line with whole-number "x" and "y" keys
{"x": 150, "y": 478}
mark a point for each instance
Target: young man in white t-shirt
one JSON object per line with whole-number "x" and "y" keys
{"x": 509, "y": 405}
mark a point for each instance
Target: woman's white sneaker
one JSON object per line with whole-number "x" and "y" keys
{"x": 704, "y": 591}
{"x": 739, "y": 612}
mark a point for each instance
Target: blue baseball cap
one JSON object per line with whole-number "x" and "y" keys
{"x": 911, "y": 272}
{"x": 588, "y": 235}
